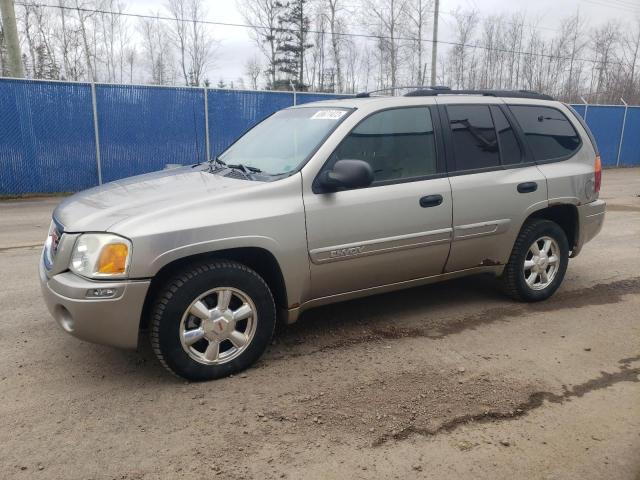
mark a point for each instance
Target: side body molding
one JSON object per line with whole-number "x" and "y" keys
{"x": 379, "y": 245}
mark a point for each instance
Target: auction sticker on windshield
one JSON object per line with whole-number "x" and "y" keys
{"x": 328, "y": 114}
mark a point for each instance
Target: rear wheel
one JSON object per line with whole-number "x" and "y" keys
{"x": 212, "y": 320}
{"x": 538, "y": 261}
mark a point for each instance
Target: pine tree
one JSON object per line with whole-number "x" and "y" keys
{"x": 294, "y": 43}
{"x": 45, "y": 66}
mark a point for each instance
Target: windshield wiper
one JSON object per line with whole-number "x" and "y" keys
{"x": 216, "y": 161}
{"x": 245, "y": 168}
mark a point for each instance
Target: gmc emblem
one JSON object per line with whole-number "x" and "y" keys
{"x": 346, "y": 252}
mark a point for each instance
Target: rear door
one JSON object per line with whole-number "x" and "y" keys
{"x": 495, "y": 184}
{"x": 566, "y": 161}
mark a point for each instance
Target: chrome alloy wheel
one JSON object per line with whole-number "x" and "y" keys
{"x": 541, "y": 263}
{"x": 218, "y": 326}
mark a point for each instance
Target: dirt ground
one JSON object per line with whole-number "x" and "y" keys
{"x": 445, "y": 381}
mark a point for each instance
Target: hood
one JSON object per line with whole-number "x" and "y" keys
{"x": 100, "y": 208}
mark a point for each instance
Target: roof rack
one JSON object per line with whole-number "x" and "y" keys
{"x": 421, "y": 87}
{"x": 431, "y": 92}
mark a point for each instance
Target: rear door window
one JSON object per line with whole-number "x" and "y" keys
{"x": 548, "y": 132}
{"x": 510, "y": 151}
{"x": 474, "y": 139}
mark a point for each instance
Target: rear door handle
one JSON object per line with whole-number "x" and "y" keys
{"x": 527, "y": 187}
{"x": 430, "y": 201}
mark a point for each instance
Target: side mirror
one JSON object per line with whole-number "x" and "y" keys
{"x": 346, "y": 174}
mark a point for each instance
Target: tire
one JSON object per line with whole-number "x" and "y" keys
{"x": 212, "y": 320}
{"x": 516, "y": 272}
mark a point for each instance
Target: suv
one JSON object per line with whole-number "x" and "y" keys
{"x": 320, "y": 203}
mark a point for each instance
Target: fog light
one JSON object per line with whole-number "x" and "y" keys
{"x": 64, "y": 318}
{"x": 101, "y": 292}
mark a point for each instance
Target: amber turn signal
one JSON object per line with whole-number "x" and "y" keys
{"x": 113, "y": 258}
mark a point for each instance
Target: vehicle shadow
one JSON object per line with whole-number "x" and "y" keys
{"x": 399, "y": 309}
{"x": 316, "y": 328}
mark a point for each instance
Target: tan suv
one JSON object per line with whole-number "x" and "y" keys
{"x": 320, "y": 203}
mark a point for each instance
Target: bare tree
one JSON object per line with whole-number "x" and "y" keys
{"x": 179, "y": 27}
{"x": 156, "y": 45}
{"x": 386, "y": 17}
{"x": 191, "y": 38}
{"x": 130, "y": 57}
{"x": 418, "y": 14}
{"x": 605, "y": 41}
{"x": 4, "y": 57}
{"x": 201, "y": 46}
{"x": 92, "y": 40}
{"x": 263, "y": 16}
{"x": 336, "y": 26}
{"x": 84, "y": 14}
{"x": 253, "y": 69}
{"x": 28, "y": 30}
{"x": 317, "y": 78}
{"x": 631, "y": 53}
{"x": 461, "y": 56}
{"x": 356, "y": 66}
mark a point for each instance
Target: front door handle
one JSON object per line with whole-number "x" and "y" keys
{"x": 527, "y": 187}
{"x": 430, "y": 201}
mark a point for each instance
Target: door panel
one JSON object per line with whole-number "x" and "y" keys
{"x": 488, "y": 212}
{"x": 494, "y": 185}
{"x": 376, "y": 236}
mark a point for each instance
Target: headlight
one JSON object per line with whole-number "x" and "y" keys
{"x": 51, "y": 245}
{"x": 101, "y": 255}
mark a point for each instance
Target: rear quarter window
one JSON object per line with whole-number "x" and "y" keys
{"x": 548, "y": 131}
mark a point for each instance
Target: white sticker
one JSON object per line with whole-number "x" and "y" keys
{"x": 328, "y": 114}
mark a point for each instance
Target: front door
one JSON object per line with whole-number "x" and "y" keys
{"x": 397, "y": 229}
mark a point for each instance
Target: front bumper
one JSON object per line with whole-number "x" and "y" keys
{"x": 590, "y": 220}
{"x": 113, "y": 321}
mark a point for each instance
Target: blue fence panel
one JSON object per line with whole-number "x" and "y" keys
{"x": 144, "y": 128}
{"x": 605, "y": 122}
{"x": 316, "y": 97}
{"x": 630, "y": 152}
{"x": 47, "y": 141}
{"x": 233, "y": 112}
{"x": 579, "y": 109}
{"x": 46, "y": 137}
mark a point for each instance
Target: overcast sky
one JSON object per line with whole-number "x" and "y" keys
{"x": 236, "y": 46}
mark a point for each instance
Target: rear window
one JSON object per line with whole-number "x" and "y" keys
{"x": 584, "y": 125}
{"x": 548, "y": 131}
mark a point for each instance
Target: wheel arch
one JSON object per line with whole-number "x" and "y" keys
{"x": 257, "y": 258}
{"x": 566, "y": 216}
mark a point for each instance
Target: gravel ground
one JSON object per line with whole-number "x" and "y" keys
{"x": 445, "y": 381}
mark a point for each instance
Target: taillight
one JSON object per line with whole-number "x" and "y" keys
{"x": 598, "y": 174}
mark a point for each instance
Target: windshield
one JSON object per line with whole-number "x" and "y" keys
{"x": 285, "y": 140}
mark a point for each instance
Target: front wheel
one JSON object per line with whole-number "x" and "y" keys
{"x": 538, "y": 261}
{"x": 212, "y": 320}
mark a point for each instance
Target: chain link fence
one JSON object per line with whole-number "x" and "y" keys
{"x": 65, "y": 137}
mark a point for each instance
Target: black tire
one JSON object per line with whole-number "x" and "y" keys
{"x": 513, "y": 277}
{"x": 178, "y": 294}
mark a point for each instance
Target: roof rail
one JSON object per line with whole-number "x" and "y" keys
{"x": 421, "y": 87}
{"x": 487, "y": 93}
